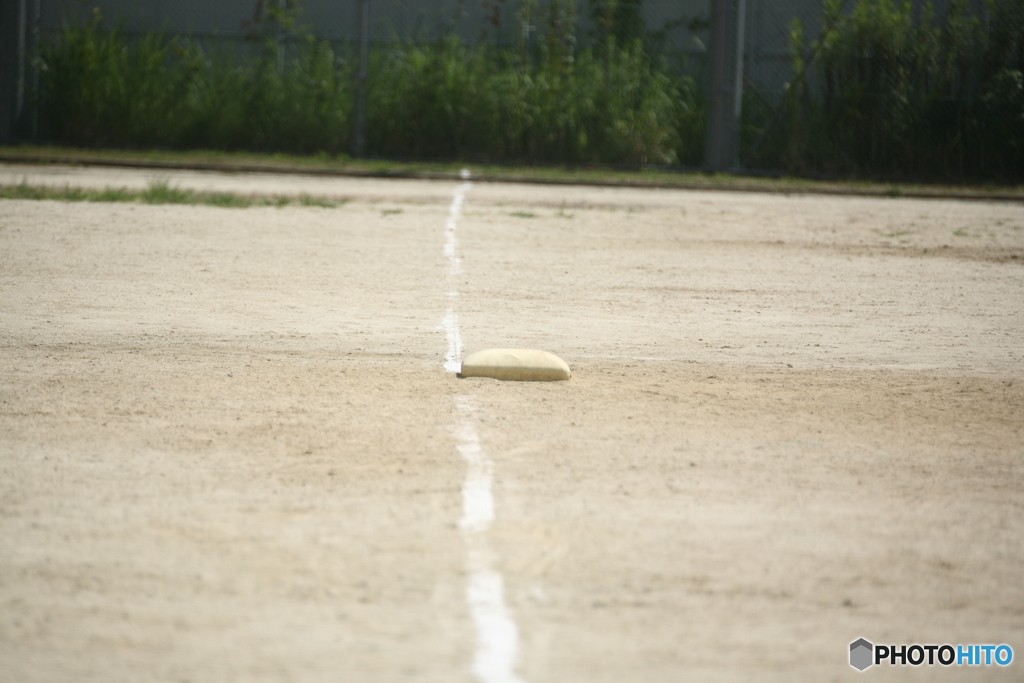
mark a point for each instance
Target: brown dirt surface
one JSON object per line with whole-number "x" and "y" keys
{"x": 227, "y": 449}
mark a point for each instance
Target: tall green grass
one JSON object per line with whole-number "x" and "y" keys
{"x": 100, "y": 88}
{"x": 479, "y": 103}
{"x": 900, "y": 93}
{"x": 437, "y": 100}
{"x": 892, "y": 92}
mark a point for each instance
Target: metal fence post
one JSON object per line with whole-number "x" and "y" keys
{"x": 34, "y": 37}
{"x": 359, "y": 120}
{"x": 280, "y": 37}
{"x": 12, "y": 66}
{"x": 721, "y": 141}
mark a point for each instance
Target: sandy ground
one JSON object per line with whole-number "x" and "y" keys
{"x": 227, "y": 450}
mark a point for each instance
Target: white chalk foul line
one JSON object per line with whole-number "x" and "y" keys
{"x": 497, "y": 638}
{"x": 452, "y": 359}
{"x": 451, "y": 330}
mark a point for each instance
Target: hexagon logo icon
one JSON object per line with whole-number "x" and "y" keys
{"x": 861, "y": 654}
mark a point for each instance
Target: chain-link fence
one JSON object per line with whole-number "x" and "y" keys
{"x": 843, "y": 86}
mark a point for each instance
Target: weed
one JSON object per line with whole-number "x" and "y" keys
{"x": 159, "y": 191}
{"x": 309, "y": 200}
{"x": 523, "y": 214}
{"x": 113, "y": 194}
{"x": 23, "y": 191}
{"x": 226, "y": 199}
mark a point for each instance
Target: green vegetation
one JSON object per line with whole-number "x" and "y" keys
{"x": 309, "y": 200}
{"x": 885, "y": 92}
{"x": 480, "y": 104}
{"x": 443, "y": 100}
{"x": 157, "y": 192}
{"x": 101, "y": 89}
{"x": 898, "y": 93}
{"x": 161, "y": 192}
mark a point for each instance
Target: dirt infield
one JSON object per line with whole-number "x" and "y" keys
{"x": 227, "y": 450}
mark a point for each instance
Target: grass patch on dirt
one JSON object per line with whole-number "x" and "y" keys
{"x": 159, "y": 192}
